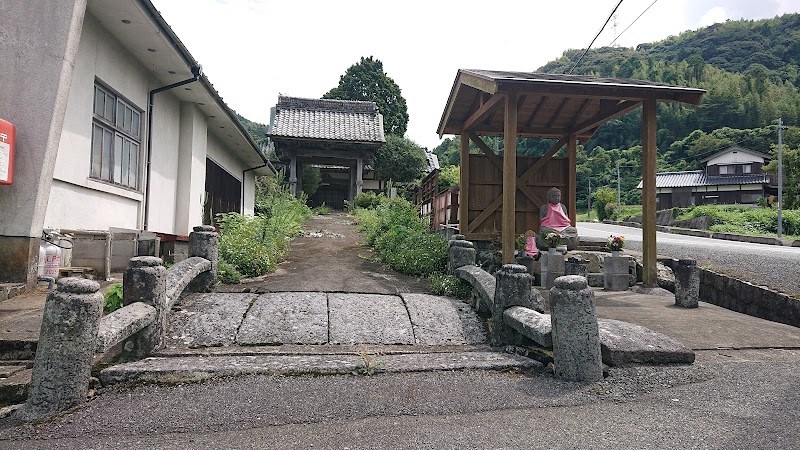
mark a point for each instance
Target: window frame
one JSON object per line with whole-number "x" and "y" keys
{"x": 116, "y": 139}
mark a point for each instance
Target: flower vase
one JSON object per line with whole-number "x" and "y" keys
{"x": 616, "y": 253}
{"x": 562, "y": 249}
{"x": 551, "y": 250}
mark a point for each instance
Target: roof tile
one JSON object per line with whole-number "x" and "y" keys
{"x": 340, "y": 120}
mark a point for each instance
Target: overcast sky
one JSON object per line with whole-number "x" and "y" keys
{"x": 252, "y": 50}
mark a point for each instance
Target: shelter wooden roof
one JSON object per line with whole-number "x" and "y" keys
{"x": 549, "y": 105}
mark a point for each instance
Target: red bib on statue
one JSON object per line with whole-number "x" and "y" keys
{"x": 555, "y": 218}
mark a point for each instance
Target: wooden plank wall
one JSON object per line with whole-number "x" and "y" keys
{"x": 486, "y": 184}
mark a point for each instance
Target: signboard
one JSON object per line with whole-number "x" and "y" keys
{"x": 7, "y": 135}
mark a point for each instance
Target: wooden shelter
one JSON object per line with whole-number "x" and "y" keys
{"x": 566, "y": 107}
{"x": 338, "y": 133}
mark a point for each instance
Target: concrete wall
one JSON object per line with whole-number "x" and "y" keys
{"x": 192, "y": 148}
{"x": 39, "y": 44}
{"x": 744, "y": 297}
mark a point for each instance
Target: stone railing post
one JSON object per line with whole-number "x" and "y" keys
{"x": 687, "y": 283}
{"x": 145, "y": 280}
{"x": 204, "y": 242}
{"x": 576, "y": 341}
{"x": 63, "y": 363}
{"x": 513, "y": 288}
{"x": 460, "y": 253}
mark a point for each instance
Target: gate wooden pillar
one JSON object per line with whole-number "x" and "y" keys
{"x": 649, "y": 255}
{"x": 463, "y": 202}
{"x": 510, "y": 177}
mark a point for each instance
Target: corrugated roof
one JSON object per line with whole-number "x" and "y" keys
{"x": 583, "y": 79}
{"x": 695, "y": 178}
{"x": 336, "y": 120}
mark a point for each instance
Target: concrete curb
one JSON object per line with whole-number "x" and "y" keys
{"x": 199, "y": 368}
{"x": 708, "y": 234}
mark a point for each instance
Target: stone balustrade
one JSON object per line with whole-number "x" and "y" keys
{"x": 73, "y": 330}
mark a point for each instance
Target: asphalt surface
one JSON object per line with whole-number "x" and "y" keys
{"x": 728, "y": 399}
{"x": 769, "y": 265}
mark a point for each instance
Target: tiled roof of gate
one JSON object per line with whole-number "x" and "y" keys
{"x": 699, "y": 178}
{"x": 336, "y": 120}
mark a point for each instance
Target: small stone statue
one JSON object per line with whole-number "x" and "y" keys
{"x": 553, "y": 218}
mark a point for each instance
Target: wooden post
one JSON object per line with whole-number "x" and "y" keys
{"x": 293, "y": 175}
{"x": 359, "y": 174}
{"x": 572, "y": 186}
{"x": 650, "y": 275}
{"x": 463, "y": 190}
{"x": 510, "y": 178}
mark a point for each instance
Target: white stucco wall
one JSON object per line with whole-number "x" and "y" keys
{"x": 737, "y": 157}
{"x": 75, "y": 200}
{"x": 79, "y": 202}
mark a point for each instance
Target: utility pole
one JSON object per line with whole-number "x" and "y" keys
{"x": 619, "y": 201}
{"x": 780, "y": 177}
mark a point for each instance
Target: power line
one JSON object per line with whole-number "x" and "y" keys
{"x": 634, "y": 21}
{"x": 595, "y": 38}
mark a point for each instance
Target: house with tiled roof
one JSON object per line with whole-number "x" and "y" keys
{"x": 339, "y": 137}
{"x": 120, "y": 136}
{"x": 733, "y": 175}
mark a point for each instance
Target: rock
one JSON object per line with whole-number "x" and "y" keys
{"x": 530, "y": 324}
{"x": 627, "y": 343}
{"x": 63, "y": 363}
{"x": 286, "y": 318}
{"x": 576, "y": 344}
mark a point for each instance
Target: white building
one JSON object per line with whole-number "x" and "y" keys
{"x": 117, "y": 128}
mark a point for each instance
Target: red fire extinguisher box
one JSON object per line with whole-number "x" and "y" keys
{"x": 7, "y": 135}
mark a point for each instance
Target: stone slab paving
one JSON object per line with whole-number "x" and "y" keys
{"x": 368, "y": 319}
{"x": 434, "y": 319}
{"x": 207, "y": 320}
{"x": 289, "y": 317}
{"x": 198, "y": 368}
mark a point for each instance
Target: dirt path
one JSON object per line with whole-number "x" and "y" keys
{"x": 330, "y": 257}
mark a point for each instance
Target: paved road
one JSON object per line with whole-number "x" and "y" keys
{"x": 728, "y": 399}
{"x": 770, "y": 265}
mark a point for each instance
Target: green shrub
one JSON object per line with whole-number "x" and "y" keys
{"x": 368, "y": 200}
{"x": 449, "y": 176}
{"x": 321, "y": 210}
{"x": 113, "y": 298}
{"x": 603, "y": 196}
{"x": 411, "y": 251}
{"x": 255, "y": 244}
{"x": 392, "y": 212}
{"x": 227, "y": 273}
{"x": 442, "y": 284}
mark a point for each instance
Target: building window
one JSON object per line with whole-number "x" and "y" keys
{"x": 116, "y": 139}
{"x": 736, "y": 169}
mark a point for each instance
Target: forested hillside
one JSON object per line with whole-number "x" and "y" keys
{"x": 749, "y": 70}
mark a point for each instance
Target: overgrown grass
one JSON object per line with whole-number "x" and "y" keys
{"x": 254, "y": 245}
{"x": 743, "y": 219}
{"x": 402, "y": 241}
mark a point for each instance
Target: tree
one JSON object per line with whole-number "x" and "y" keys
{"x": 366, "y": 81}
{"x": 399, "y": 159}
{"x": 791, "y": 172}
{"x": 311, "y": 180}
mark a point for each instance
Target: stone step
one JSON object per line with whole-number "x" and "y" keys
{"x": 198, "y": 368}
{"x": 299, "y": 349}
{"x": 14, "y": 388}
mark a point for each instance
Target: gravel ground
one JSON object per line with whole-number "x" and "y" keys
{"x": 769, "y": 265}
{"x": 729, "y": 399}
